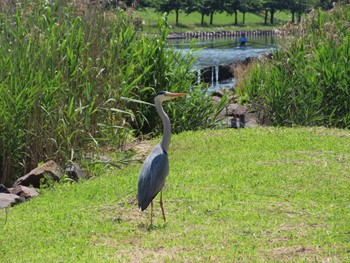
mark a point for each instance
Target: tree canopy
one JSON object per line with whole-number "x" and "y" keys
{"x": 232, "y": 7}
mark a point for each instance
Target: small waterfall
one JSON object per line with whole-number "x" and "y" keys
{"x": 212, "y": 74}
{"x": 199, "y": 75}
{"x": 216, "y": 75}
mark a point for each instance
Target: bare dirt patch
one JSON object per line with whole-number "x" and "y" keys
{"x": 291, "y": 253}
{"x": 140, "y": 148}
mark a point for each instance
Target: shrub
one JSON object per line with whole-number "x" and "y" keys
{"x": 307, "y": 83}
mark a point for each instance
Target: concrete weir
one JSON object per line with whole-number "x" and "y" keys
{"x": 221, "y": 34}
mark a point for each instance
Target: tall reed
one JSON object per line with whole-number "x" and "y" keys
{"x": 307, "y": 83}
{"x": 70, "y": 81}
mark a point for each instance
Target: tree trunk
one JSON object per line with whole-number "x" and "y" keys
{"x": 177, "y": 16}
{"x": 202, "y": 20}
{"x": 211, "y": 18}
{"x": 272, "y": 12}
{"x": 293, "y": 16}
{"x": 299, "y": 17}
{"x": 236, "y": 19}
{"x": 243, "y": 20}
{"x": 265, "y": 18}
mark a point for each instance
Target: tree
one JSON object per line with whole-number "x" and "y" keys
{"x": 232, "y": 7}
{"x": 145, "y": 3}
{"x": 170, "y": 5}
{"x": 248, "y": 6}
{"x": 214, "y": 6}
{"x": 197, "y": 6}
{"x": 296, "y": 7}
{"x": 272, "y": 6}
{"x": 205, "y": 8}
{"x": 326, "y": 4}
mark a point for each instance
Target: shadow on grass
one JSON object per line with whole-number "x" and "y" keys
{"x": 153, "y": 227}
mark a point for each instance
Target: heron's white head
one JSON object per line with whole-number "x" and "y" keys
{"x": 165, "y": 95}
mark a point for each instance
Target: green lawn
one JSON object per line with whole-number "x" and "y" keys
{"x": 221, "y": 21}
{"x": 249, "y": 195}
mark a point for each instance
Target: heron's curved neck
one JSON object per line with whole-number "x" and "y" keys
{"x": 166, "y": 126}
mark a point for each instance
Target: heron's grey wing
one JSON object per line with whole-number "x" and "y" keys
{"x": 152, "y": 177}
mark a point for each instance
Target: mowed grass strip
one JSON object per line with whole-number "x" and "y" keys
{"x": 249, "y": 195}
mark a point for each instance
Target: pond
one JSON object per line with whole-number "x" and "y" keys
{"x": 215, "y": 52}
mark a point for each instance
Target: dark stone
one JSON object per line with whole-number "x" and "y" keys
{"x": 217, "y": 93}
{"x": 49, "y": 170}
{"x": 3, "y": 189}
{"x": 74, "y": 172}
{"x": 242, "y": 116}
{"x": 7, "y": 200}
{"x": 238, "y": 120}
{"x": 206, "y": 74}
{"x": 224, "y": 73}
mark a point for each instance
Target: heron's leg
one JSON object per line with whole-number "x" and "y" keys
{"x": 161, "y": 204}
{"x": 151, "y": 212}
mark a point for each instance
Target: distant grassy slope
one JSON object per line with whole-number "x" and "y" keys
{"x": 221, "y": 21}
{"x": 250, "y": 195}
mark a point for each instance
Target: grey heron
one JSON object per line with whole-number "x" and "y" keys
{"x": 155, "y": 168}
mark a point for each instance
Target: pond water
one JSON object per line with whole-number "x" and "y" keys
{"x": 223, "y": 51}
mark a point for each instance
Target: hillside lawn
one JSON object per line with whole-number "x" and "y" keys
{"x": 248, "y": 195}
{"x": 221, "y": 21}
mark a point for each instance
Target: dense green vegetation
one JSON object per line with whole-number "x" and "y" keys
{"x": 222, "y": 21}
{"x": 307, "y": 82}
{"x": 249, "y": 195}
{"x": 267, "y": 8}
{"x": 71, "y": 81}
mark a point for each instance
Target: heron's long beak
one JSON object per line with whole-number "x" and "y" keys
{"x": 175, "y": 95}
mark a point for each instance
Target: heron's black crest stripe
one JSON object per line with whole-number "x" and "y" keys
{"x": 160, "y": 93}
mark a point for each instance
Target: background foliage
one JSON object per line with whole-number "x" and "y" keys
{"x": 307, "y": 83}
{"x": 73, "y": 80}
{"x": 265, "y": 8}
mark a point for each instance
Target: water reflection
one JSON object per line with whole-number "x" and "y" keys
{"x": 222, "y": 52}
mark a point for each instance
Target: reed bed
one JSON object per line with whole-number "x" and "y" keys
{"x": 71, "y": 81}
{"x": 307, "y": 82}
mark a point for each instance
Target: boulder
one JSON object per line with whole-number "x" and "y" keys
{"x": 227, "y": 111}
{"x": 7, "y": 200}
{"x": 239, "y": 116}
{"x": 251, "y": 120}
{"x": 239, "y": 110}
{"x": 49, "y": 170}
{"x": 3, "y": 189}
{"x": 231, "y": 108}
{"x": 24, "y": 192}
{"x": 216, "y": 99}
{"x": 207, "y": 74}
{"x": 238, "y": 122}
{"x": 225, "y": 73}
{"x": 74, "y": 172}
